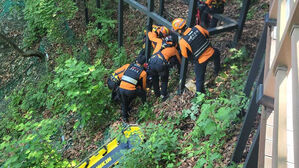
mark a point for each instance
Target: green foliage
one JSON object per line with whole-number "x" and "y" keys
{"x": 119, "y": 58}
{"x": 47, "y": 18}
{"x": 31, "y": 143}
{"x": 238, "y": 55}
{"x": 104, "y": 17}
{"x": 217, "y": 115}
{"x": 146, "y": 112}
{"x": 159, "y": 150}
{"x": 80, "y": 88}
{"x": 194, "y": 109}
{"x": 251, "y": 13}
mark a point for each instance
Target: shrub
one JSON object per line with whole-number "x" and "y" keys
{"x": 47, "y": 18}
{"x": 31, "y": 144}
{"x": 159, "y": 150}
{"x": 80, "y": 88}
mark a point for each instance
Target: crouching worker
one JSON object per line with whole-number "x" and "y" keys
{"x": 133, "y": 84}
{"x": 114, "y": 82}
{"x": 159, "y": 66}
{"x": 157, "y": 35}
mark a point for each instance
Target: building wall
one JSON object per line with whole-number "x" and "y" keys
{"x": 280, "y": 147}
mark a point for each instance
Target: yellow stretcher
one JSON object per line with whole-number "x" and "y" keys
{"x": 110, "y": 153}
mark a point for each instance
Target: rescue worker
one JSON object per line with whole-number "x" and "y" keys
{"x": 156, "y": 36}
{"x": 195, "y": 41}
{"x": 114, "y": 82}
{"x": 159, "y": 65}
{"x": 212, "y": 7}
{"x": 133, "y": 84}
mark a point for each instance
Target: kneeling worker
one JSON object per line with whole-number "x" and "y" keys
{"x": 133, "y": 84}
{"x": 195, "y": 40}
{"x": 159, "y": 65}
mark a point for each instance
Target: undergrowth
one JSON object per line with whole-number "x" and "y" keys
{"x": 217, "y": 114}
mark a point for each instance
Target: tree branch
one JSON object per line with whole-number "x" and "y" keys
{"x": 30, "y": 53}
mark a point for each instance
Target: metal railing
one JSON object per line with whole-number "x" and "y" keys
{"x": 229, "y": 25}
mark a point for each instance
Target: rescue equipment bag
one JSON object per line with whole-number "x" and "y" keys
{"x": 198, "y": 42}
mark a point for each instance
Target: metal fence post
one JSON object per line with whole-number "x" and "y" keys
{"x": 86, "y": 12}
{"x": 253, "y": 154}
{"x": 98, "y": 4}
{"x": 248, "y": 122}
{"x": 241, "y": 21}
{"x": 255, "y": 67}
{"x": 150, "y": 8}
{"x": 184, "y": 65}
{"x": 161, "y": 7}
{"x": 120, "y": 23}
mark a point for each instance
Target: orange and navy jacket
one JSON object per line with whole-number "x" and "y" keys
{"x": 120, "y": 71}
{"x": 153, "y": 37}
{"x": 184, "y": 46}
{"x": 167, "y": 52}
{"x": 129, "y": 86}
{"x": 210, "y": 3}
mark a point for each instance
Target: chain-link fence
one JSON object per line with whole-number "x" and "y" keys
{"x": 15, "y": 70}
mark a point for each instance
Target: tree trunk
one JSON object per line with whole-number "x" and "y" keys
{"x": 30, "y": 53}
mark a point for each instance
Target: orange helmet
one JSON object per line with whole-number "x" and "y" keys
{"x": 178, "y": 23}
{"x": 164, "y": 30}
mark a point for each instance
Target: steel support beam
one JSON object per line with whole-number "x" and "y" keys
{"x": 120, "y": 23}
{"x": 161, "y": 7}
{"x": 255, "y": 67}
{"x": 156, "y": 17}
{"x": 184, "y": 65}
{"x": 248, "y": 123}
{"x": 230, "y": 24}
{"x": 191, "y": 14}
{"x": 253, "y": 154}
{"x": 263, "y": 99}
{"x": 270, "y": 22}
{"x": 150, "y": 8}
{"x": 241, "y": 21}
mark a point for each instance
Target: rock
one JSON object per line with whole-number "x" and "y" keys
{"x": 190, "y": 85}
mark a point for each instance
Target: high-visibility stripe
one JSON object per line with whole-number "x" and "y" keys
{"x": 129, "y": 79}
{"x": 202, "y": 49}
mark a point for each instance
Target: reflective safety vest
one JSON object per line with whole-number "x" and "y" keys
{"x": 198, "y": 42}
{"x": 132, "y": 74}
